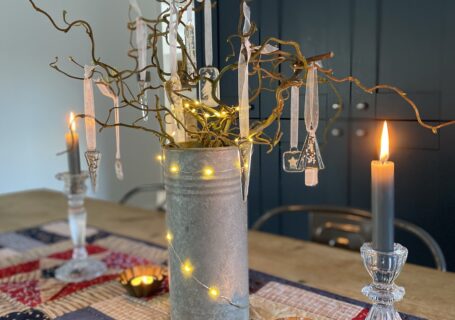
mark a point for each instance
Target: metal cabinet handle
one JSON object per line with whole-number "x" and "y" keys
{"x": 336, "y": 132}
{"x": 361, "y": 106}
{"x": 360, "y": 133}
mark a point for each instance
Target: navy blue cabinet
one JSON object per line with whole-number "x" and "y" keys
{"x": 407, "y": 43}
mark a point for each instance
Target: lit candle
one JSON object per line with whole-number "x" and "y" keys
{"x": 72, "y": 145}
{"x": 382, "y": 197}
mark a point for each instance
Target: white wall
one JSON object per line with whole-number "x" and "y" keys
{"x": 35, "y": 99}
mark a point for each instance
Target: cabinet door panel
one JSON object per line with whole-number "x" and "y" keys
{"x": 445, "y": 221}
{"x": 364, "y": 56}
{"x": 318, "y": 27}
{"x": 448, "y": 63}
{"x": 392, "y": 106}
{"x": 410, "y": 44}
{"x": 414, "y": 40}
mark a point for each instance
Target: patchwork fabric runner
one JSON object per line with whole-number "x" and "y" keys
{"x": 28, "y": 290}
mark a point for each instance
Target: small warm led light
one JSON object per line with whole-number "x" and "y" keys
{"x": 169, "y": 236}
{"x": 159, "y": 158}
{"x": 217, "y": 114}
{"x": 206, "y": 115}
{"x": 193, "y": 110}
{"x": 187, "y": 268}
{"x": 223, "y": 113}
{"x": 174, "y": 168}
{"x": 236, "y": 140}
{"x": 208, "y": 171}
{"x": 214, "y": 292}
{"x": 186, "y": 105}
{"x": 197, "y": 103}
{"x": 237, "y": 108}
{"x": 250, "y": 139}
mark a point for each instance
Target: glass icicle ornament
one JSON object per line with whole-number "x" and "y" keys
{"x": 190, "y": 42}
{"x": 209, "y": 73}
{"x": 143, "y": 98}
{"x": 246, "y": 142}
{"x": 93, "y": 158}
{"x": 311, "y": 156}
{"x": 245, "y": 154}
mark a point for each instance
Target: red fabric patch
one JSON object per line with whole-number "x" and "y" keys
{"x": 19, "y": 268}
{"x": 25, "y": 292}
{"x": 362, "y": 315}
{"x": 118, "y": 260}
{"x": 68, "y": 254}
{"x": 73, "y": 287}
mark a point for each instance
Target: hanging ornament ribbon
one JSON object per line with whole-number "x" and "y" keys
{"x": 245, "y": 145}
{"x": 311, "y": 156}
{"x": 209, "y": 73}
{"x": 190, "y": 40}
{"x": 174, "y": 86}
{"x": 291, "y": 158}
{"x": 92, "y": 156}
{"x": 141, "y": 44}
{"x": 108, "y": 92}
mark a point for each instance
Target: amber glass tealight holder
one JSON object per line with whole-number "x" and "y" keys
{"x": 143, "y": 281}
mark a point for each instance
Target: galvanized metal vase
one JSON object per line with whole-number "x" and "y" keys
{"x": 207, "y": 221}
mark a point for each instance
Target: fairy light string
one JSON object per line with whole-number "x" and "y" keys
{"x": 188, "y": 269}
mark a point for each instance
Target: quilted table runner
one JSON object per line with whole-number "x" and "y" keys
{"x": 28, "y": 289}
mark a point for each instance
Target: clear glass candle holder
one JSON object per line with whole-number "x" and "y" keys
{"x": 384, "y": 268}
{"x": 80, "y": 267}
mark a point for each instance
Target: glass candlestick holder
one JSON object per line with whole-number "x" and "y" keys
{"x": 384, "y": 268}
{"x": 80, "y": 267}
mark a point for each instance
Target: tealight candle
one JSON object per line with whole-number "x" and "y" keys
{"x": 144, "y": 280}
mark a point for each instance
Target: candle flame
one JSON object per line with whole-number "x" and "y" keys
{"x": 72, "y": 122}
{"x": 384, "y": 154}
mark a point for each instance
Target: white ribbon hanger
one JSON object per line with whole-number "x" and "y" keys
{"x": 174, "y": 85}
{"x": 291, "y": 158}
{"x": 311, "y": 156}
{"x": 92, "y": 156}
{"x": 106, "y": 90}
{"x": 141, "y": 44}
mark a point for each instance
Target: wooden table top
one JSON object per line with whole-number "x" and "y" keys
{"x": 429, "y": 293}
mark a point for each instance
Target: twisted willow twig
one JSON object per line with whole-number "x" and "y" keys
{"x": 214, "y": 126}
